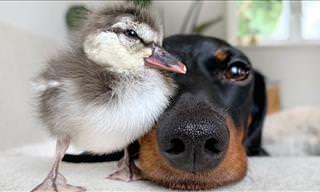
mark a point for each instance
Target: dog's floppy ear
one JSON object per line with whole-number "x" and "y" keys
{"x": 258, "y": 112}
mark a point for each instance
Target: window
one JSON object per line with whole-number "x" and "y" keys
{"x": 310, "y": 20}
{"x": 273, "y": 22}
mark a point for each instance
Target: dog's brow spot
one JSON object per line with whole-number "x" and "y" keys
{"x": 220, "y": 55}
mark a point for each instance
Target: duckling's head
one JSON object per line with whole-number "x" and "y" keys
{"x": 127, "y": 38}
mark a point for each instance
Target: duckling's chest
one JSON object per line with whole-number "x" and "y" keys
{"x": 136, "y": 105}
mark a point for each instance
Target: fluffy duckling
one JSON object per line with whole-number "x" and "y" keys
{"x": 107, "y": 90}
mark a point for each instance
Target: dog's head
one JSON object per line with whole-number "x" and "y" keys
{"x": 202, "y": 139}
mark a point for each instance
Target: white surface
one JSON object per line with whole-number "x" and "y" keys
{"x": 22, "y": 169}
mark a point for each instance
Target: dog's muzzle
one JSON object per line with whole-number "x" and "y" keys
{"x": 194, "y": 143}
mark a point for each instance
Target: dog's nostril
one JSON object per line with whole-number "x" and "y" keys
{"x": 177, "y": 147}
{"x": 211, "y": 146}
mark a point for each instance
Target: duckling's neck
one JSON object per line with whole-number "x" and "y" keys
{"x": 138, "y": 76}
{"x": 127, "y": 71}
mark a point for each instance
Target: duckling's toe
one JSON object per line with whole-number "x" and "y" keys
{"x": 126, "y": 172}
{"x": 57, "y": 184}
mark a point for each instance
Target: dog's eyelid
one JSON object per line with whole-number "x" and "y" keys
{"x": 240, "y": 61}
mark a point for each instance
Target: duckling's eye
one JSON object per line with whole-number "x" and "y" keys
{"x": 131, "y": 33}
{"x": 237, "y": 71}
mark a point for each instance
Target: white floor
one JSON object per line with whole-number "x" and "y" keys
{"x": 23, "y": 168}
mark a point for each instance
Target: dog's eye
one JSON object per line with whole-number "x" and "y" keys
{"x": 237, "y": 72}
{"x": 131, "y": 33}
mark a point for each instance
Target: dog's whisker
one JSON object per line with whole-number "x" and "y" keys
{"x": 227, "y": 109}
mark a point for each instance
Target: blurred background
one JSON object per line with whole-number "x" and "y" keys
{"x": 282, "y": 39}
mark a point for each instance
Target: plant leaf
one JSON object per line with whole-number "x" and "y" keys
{"x": 206, "y": 25}
{"x": 142, "y": 3}
{"x": 75, "y": 16}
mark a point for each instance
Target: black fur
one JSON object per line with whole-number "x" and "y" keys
{"x": 259, "y": 109}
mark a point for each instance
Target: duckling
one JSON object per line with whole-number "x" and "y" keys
{"x": 107, "y": 90}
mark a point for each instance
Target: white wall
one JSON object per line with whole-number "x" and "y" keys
{"x": 43, "y": 18}
{"x": 21, "y": 56}
{"x": 40, "y": 18}
{"x": 175, "y": 11}
{"x": 296, "y": 68}
{"x": 48, "y": 18}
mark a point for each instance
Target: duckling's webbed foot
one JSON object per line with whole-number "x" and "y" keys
{"x": 57, "y": 184}
{"x": 127, "y": 170}
{"x": 55, "y": 181}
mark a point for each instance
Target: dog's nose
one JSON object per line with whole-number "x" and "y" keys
{"x": 196, "y": 145}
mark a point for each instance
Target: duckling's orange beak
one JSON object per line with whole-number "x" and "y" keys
{"x": 163, "y": 60}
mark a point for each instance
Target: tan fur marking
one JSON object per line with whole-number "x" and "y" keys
{"x": 220, "y": 55}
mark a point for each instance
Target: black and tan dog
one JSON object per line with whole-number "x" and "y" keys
{"x": 215, "y": 121}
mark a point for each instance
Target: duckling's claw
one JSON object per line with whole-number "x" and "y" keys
{"x": 57, "y": 184}
{"x": 127, "y": 170}
{"x": 126, "y": 173}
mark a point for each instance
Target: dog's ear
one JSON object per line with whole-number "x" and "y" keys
{"x": 258, "y": 112}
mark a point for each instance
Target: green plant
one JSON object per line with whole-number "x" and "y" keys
{"x": 142, "y": 3}
{"x": 258, "y": 17}
{"x": 191, "y": 19}
{"x": 75, "y": 16}
{"x": 202, "y": 27}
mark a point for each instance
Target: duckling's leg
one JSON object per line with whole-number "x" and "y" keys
{"x": 127, "y": 170}
{"x": 55, "y": 181}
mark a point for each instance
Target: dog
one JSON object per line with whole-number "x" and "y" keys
{"x": 213, "y": 123}
{"x": 216, "y": 119}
